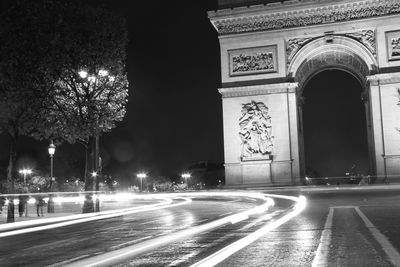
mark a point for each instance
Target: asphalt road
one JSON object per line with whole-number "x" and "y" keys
{"x": 337, "y": 228}
{"x": 315, "y": 238}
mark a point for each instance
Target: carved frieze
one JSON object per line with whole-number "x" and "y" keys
{"x": 252, "y": 63}
{"x": 306, "y": 17}
{"x": 393, "y": 45}
{"x": 252, "y": 60}
{"x": 398, "y": 96}
{"x": 255, "y": 131}
{"x": 366, "y": 37}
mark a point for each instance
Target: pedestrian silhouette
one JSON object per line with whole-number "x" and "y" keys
{"x": 39, "y": 205}
{"x": 21, "y": 205}
{"x": 2, "y": 202}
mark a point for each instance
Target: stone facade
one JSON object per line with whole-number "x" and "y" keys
{"x": 279, "y": 47}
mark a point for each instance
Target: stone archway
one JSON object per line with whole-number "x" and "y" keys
{"x": 268, "y": 53}
{"x": 333, "y": 52}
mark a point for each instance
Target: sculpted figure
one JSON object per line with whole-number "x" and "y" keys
{"x": 255, "y": 130}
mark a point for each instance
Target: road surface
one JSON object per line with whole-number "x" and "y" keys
{"x": 337, "y": 228}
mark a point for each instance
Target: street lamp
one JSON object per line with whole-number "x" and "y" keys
{"x": 25, "y": 172}
{"x": 141, "y": 176}
{"x": 50, "y": 204}
{"x": 186, "y": 176}
{"x": 94, "y": 80}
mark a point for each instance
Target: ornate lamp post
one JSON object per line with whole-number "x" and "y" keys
{"x": 141, "y": 176}
{"x": 50, "y": 204}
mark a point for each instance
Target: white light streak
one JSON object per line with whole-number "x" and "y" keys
{"x": 81, "y": 218}
{"x": 224, "y": 253}
{"x": 113, "y": 257}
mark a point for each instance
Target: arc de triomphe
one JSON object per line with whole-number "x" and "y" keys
{"x": 269, "y": 50}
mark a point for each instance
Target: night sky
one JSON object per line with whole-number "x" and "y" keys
{"x": 174, "y": 115}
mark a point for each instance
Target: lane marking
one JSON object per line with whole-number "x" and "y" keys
{"x": 392, "y": 253}
{"x": 321, "y": 255}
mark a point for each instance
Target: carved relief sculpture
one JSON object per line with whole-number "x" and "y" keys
{"x": 398, "y": 103}
{"x": 393, "y": 45}
{"x": 255, "y": 62}
{"x": 255, "y": 131}
{"x": 252, "y": 60}
{"x": 366, "y": 37}
{"x": 294, "y": 45}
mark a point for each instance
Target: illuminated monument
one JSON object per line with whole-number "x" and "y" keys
{"x": 271, "y": 49}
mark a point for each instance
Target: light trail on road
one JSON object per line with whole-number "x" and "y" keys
{"x": 82, "y": 218}
{"x": 124, "y": 254}
{"x": 227, "y": 251}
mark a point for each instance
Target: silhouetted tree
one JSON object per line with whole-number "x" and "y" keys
{"x": 62, "y": 73}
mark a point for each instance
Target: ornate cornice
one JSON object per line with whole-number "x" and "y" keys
{"x": 302, "y": 17}
{"x": 386, "y": 78}
{"x": 258, "y": 90}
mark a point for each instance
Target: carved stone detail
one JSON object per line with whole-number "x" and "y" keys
{"x": 366, "y": 37}
{"x": 398, "y": 96}
{"x": 255, "y": 131}
{"x": 252, "y": 62}
{"x": 294, "y": 45}
{"x": 306, "y": 17}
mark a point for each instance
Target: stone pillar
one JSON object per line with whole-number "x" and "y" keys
{"x": 282, "y": 165}
{"x": 385, "y": 113}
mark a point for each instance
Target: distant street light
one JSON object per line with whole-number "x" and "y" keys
{"x": 50, "y": 204}
{"x": 24, "y": 172}
{"x": 141, "y": 176}
{"x": 186, "y": 176}
{"x": 83, "y": 74}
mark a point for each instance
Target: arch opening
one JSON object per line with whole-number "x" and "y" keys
{"x": 334, "y": 120}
